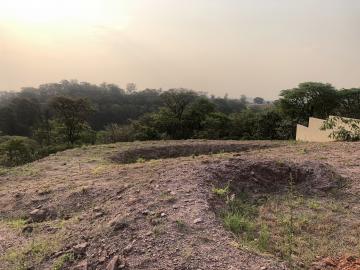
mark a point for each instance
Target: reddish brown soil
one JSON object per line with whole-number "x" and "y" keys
{"x": 343, "y": 263}
{"x": 160, "y": 214}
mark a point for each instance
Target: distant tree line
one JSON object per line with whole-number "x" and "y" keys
{"x": 38, "y": 121}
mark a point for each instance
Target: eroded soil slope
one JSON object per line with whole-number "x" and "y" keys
{"x": 86, "y": 209}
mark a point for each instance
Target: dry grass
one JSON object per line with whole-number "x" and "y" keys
{"x": 297, "y": 231}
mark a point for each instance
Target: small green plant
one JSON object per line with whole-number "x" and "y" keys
{"x": 158, "y": 230}
{"x": 312, "y": 204}
{"x": 140, "y": 160}
{"x": 167, "y": 197}
{"x": 289, "y": 221}
{"x": 264, "y": 238}
{"x": 61, "y": 261}
{"x": 221, "y": 192}
{"x": 181, "y": 225}
{"x": 238, "y": 224}
{"x": 240, "y": 218}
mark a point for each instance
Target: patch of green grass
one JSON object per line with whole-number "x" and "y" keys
{"x": 29, "y": 256}
{"x": 16, "y": 224}
{"x": 4, "y": 171}
{"x": 313, "y": 204}
{"x": 292, "y": 227}
{"x": 264, "y": 238}
{"x": 238, "y": 223}
{"x": 61, "y": 261}
{"x": 239, "y": 218}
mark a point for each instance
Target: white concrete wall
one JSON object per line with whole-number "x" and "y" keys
{"x": 313, "y": 133}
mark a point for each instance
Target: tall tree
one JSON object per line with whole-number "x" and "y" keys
{"x": 72, "y": 114}
{"x": 349, "y": 103}
{"x": 309, "y": 99}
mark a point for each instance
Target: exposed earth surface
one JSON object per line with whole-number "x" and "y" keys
{"x": 184, "y": 205}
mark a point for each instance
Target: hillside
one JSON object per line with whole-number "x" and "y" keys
{"x": 184, "y": 205}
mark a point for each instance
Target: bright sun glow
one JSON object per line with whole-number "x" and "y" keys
{"x": 65, "y": 12}
{"x": 45, "y": 20}
{"x": 50, "y": 11}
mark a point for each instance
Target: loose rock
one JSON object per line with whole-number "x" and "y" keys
{"x": 80, "y": 249}
{"x": 198, "y": 220}
{"x": 118, "y": 223}
{"x": 113, "y": 264}
{"x": 38, "y": 215}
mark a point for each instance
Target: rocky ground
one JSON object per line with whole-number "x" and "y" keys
{"x": 154, "y": 205}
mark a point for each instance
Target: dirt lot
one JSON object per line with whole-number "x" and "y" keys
{"x": 184, "y": 205}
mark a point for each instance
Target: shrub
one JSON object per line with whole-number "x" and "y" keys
{"x": 238, "y": 223}
{"x": 343, "y": 129}
{"x": 16, "y": 151}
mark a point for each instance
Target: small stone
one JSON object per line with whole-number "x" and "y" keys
{"x": 102, "y": 259}
{"x": 162, "y": 215}
{"x": 80, "y": 249}
{"x": 113, "y": 264}
{"x": 83, "y": 265}
{"x": 38, "y": 215}
{"x": 118, "y": 223}
{"x": 146, "y": 212}
{"x": 128, "y": 248}
{"x": 97, "y": 209}
{"x": 198, "y": 220}
{"x": 27, "y": 229}
{"x": 99, "y": 214}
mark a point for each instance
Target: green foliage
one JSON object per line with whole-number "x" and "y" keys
{"x": 29, "y": 256}
{"x": 238, "y": 223}
{"x": 349, "y": 103}
{"x": 239, "y": 218}
{"x": 15, "y": 151}
{"x": 115, "y": 133}
{"x": 71, "y": 115}
{"x": 309, "y": 99}
{"x": 264, "y": 238}
{"x": 216, "y": 125}
{"x": 61, "y": 261}
{"x": 221, "y": 192}
{"x": 343, "y": 129}
{"x": 76, "y": 113}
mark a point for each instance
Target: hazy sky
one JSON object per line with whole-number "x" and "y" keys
{"x": 252, "y": 47}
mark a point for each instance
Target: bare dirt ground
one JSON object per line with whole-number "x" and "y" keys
{"x": 89, "y": 208}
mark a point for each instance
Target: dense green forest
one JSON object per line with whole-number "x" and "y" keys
{"x": 38, "y": 121}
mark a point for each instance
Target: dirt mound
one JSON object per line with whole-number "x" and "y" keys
{"x": 160, "y": 214}
{"x": 268, "y": 175}
{"x": 343, "y": 263}
{"x": 183, "y": 150}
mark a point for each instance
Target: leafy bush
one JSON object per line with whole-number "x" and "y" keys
{"x": 116, "y": 133}
{"x": 343, "y": 129}
{"x": 16, "y": 150}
